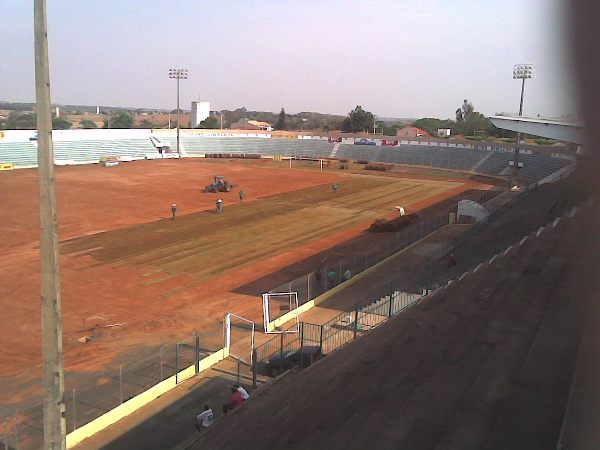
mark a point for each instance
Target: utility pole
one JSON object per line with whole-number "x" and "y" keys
{"x": 520, "y": 72}
{"x": 52, "y": 352}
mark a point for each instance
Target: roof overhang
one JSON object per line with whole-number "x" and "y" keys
{"x": 552, "y": 129}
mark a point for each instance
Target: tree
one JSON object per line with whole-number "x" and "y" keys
{"x": 60, "y": 123}
{"x": 358, "y": 120}
{"x": 432, "y": 125}
{"x": 87, "y": 123}
{"x": 21, "y": 121}
{"x": 121, "y": 120}
{"x": 467, "y": 109}
{"x": 211, "y": 122}
{"x": 280, "y": 125}
{"x": 146, "y": 124}
{"x": 468, "y": 121}
{"x": 459, "y": 115}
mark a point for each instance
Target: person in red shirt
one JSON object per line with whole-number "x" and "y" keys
{"x": 235, "y": 400}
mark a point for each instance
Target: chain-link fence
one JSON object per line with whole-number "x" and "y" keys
{"x": 505, "y": 225}
{"x": 336, "y": 268}
{"x": 90, "y": 395}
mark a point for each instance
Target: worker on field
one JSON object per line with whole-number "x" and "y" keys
{"x": 242, "y": 195}
{"x": 219, "y": 205}
{"x": 174, "y": 210}
{"x": 335, "y": 187}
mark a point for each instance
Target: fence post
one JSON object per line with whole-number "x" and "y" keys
{"x": 254, "y": 368}
{"x": 16, "y": 434}
{"x": 428, "y": 276}
{"x": 301, "y": 344}
{"x": 121, "y": 383}
{"x": 355, "y": 321}
{"x": 281, "y": 353}
{"x": 197, "y": 352}
{"x": 74, "y": 413}
{"x": 6, "y": 434}
{"x": 391, "y": 300}
{"x": 176, "y": 362}
{"x": 321, "y": 339}
{"x": 161, "y": 362}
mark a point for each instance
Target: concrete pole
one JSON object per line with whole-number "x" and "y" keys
{"x": 178, "y": 152}
{"x": 516, "y": 158}
{"x": 52, "y": 352}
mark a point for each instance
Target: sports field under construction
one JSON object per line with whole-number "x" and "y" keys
{"x": 131, "y": 276}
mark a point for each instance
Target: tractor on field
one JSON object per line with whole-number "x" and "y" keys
{"x": 219, "y": 185}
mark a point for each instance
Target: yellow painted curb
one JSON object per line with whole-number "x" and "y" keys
{"x": 137, "y": 402}
{"x": 340, "y": 287}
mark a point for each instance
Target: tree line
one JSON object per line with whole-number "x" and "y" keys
{"x": 468, "y": 122}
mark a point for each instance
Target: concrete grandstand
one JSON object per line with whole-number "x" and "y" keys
{"x": 88, "y": 146}
{"x": 488, "y": 362}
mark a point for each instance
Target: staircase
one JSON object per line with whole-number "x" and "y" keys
{"x": 334, "y": 150}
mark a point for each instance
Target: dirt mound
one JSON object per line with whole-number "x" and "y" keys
{"x": 385, "y": 226}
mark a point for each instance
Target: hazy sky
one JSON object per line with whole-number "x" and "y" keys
{"x": 395, "y": 58}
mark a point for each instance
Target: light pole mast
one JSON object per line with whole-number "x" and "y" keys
{"x": 520, "y": 72}
{"x": 178, "y": 74}
{"x": 52, "y": 352}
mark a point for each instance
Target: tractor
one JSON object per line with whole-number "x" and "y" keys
{"x": 219, "y": 185}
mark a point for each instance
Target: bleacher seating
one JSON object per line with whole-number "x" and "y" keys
{"x": 484, "y": 363}
{"x": 194, "y": 146}
{"x": 24, "y": 154}
{"x": 21, "y": 154}
{"x": 91, "y": 151}
{"x": 485, "y": 161}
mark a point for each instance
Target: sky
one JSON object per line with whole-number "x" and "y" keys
{"x": 395, "y": 58}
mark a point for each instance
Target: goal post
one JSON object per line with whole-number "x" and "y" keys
{"x": 238, "y": 336}
{"x": 280, "y": 308}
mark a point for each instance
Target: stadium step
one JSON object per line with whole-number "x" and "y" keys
{"x": 534, "y": 410}
{"x": 512, "y": 338}
{"x": 334, "y": 150}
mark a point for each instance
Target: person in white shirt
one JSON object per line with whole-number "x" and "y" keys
{"x": 242, "y": 391}
{"x": 205, "y": 419}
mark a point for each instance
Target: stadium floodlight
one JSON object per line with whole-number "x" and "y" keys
{"x": 178, "y": 74}
{"x": 520, "y": 72}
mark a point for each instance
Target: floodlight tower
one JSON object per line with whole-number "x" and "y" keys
{"x": 520, "y": 72}
{"x": 178, "y": 74}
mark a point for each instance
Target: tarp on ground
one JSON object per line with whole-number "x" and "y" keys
{"x": 472, "y": 209}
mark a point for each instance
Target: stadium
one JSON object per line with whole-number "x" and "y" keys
{"x": 149, "y": 298}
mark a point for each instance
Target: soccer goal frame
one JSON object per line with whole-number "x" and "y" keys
{"x": 227, "y": 336}
{"x": 270, "y": 324}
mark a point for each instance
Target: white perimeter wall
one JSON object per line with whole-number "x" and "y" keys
{"x": 78, "y": 135}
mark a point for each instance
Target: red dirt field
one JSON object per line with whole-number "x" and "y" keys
{"x": 125, "y": 262}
